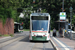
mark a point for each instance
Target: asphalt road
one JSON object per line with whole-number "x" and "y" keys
{"x": 25, "y": 44}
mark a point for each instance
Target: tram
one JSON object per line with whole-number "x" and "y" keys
{"x": 18, "y": 27}
{"x": 39, "y": 27}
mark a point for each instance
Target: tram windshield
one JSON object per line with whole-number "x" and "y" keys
{"x": 39, "y": 25}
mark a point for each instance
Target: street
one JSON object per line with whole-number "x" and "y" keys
{"x": 25, "y": 44}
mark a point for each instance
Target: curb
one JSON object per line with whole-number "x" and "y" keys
{"x": 53, "y": 45}
{"x": 5, "y": 38}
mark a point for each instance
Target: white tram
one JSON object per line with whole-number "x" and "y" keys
{"x": 39, "y": 27}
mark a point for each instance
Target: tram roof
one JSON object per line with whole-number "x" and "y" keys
{"x": 40, "y": 14}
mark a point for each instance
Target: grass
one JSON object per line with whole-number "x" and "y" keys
{"x": 25, "y": 29}
{"x": 11, "y": 35}
{"x": 0, "y": 35}
{"x": 6, "y": 35}
{"x": 51, "y": 30}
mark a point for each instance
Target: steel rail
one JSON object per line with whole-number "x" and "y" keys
{"x": 32, "y": 46}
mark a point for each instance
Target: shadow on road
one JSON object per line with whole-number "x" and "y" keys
{"x": 26, "y": 39}
{"x": 45, "y": 48}
{"x": 39, "y": 41}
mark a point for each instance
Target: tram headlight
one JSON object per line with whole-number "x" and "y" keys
{"x": 43, "y": 35}
{"x": 34, "y": 35}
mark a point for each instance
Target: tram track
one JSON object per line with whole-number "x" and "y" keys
{"x": 11, "y": 40}
{"x": 35, "y": 46}
{"x": 8, "y": 39}
{"x": 32, "y": 46}
{"x": 43, "y": 46}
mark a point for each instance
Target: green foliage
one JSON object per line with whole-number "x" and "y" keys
{"x": 52, "y": 6}
{"x": 5, "y": 35}
{"x": 26, "y": 29}
{"x": 3, "y": 14}
{"x": 6, "y": 13}
{"x": 73, "y": 19}
{"x": 0, "y": 35}
{"x": 11, "y": 35}
{"x": 8, "y": 9}
{"x": 44, "y": 11}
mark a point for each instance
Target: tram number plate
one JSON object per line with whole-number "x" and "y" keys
{"x": 39, "y": 36}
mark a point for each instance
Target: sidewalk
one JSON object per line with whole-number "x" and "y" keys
{"x": 4, "y": 38}
{"x": 1, "y": 38}
{"x": 60, "y": 43}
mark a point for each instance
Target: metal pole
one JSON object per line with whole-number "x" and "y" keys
{"x": 70, "y": 18}
{"x": 62, "y": 5}
{"x": 71, "y": 25}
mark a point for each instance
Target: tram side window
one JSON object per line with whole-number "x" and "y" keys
{"x": 39, "y": 18}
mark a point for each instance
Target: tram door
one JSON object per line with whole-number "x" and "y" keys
{"x": 16, "y": 27}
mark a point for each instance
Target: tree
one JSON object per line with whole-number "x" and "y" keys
{"x": 53, "y": 7}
